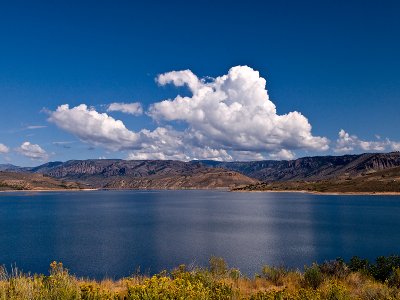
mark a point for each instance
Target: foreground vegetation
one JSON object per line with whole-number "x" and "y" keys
{"x": 356, "y": 279}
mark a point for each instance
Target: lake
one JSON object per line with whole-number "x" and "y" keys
{"x": 111, "y": 233}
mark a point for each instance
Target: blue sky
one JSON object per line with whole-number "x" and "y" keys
{"x": 335, "y": 62}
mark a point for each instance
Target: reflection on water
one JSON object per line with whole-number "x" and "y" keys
{"x": 111, "y": 233}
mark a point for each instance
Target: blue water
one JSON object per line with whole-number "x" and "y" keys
{"x": 111, "y": 233}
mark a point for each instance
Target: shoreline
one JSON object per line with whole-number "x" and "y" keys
{"x": 50, "y": 190}
{"x": 217, "y": 189}
{"x": 118, "y": 190}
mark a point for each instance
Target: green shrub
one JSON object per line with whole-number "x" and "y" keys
{"x": 384, "y": 267}
{"x": 394, "y": 278}
{"x": 218, "y": 265}
{"x": 337, "y": 291}
{"x": 234, "y": 274}
{"x": 335, "y": 268}
{"x": 273, "y": 274}
{"x": 357, "y": 264}
{"x": 313, "y": 276}
{"x": 59, "y": 284}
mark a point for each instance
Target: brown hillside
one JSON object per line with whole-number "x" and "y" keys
{"x": 29, "y": 181}
{"x": 203, "y": 179}
{"x": 385, "y": 181}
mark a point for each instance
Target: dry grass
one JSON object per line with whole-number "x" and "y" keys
{"x": 330, "y": 281}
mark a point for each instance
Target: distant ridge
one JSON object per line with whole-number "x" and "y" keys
{"x": 314, "y": 168}
{"x": 9, "y": 167}
{"x": 171, "y": 174}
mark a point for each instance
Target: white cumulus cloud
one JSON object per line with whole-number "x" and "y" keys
{"x": 4, "y": 149}
{"x": 226, "y": 118}
{"x": 233, "y": 112}
{"x": 282, "y": 155}
{"x": 347, "y": 143}
{"x": 135, "y": 108}
{"x": 103, "y": 130}
{"x": 32, "y": 151}
{"x": 167, "y": 143}
{"x": 92, "y": 127}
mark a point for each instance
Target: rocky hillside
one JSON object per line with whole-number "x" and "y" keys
{"x": 146, "y": 174}
{"x": 82, "y": 169}
{"x": 29, "y": 181}
{"x": 313, "y": 168}
{"x": 384, "y": 181}
{"x": 203, "y": 179}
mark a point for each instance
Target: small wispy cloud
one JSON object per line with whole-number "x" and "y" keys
{"x": 4, "y": 149}
{"x": 63, "y": 144}
{"x": 135, "y": 108}
{"x": 32, "y": 127}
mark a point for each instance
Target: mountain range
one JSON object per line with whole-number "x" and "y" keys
{"x": 169, "y": 174}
